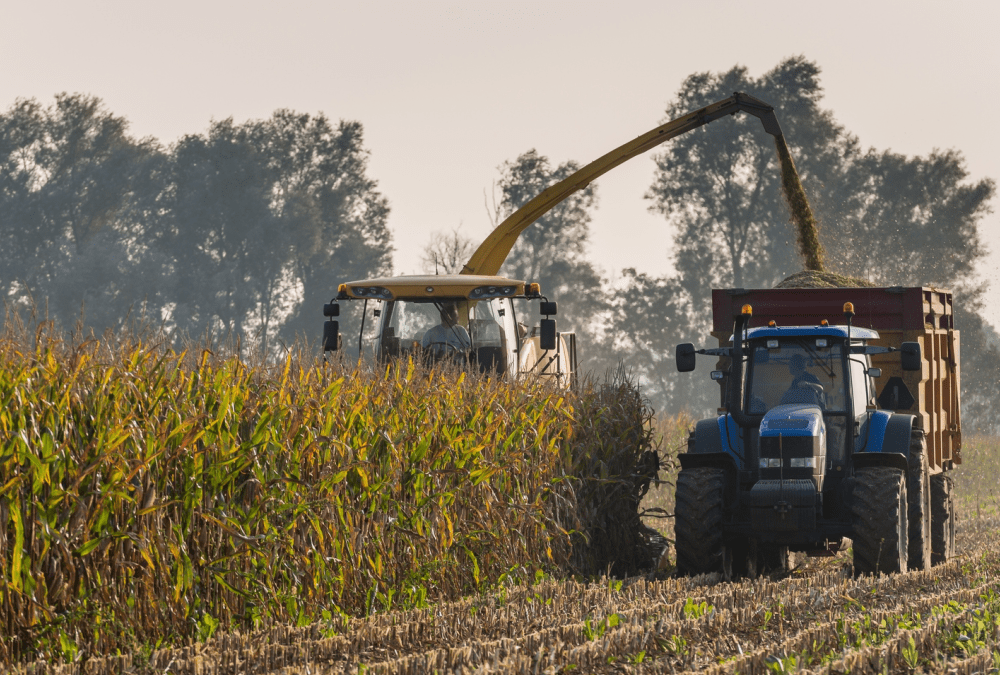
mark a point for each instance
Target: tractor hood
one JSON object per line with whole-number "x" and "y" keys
{"x": 794, "y": 419}
{"x": 793, "y": 444}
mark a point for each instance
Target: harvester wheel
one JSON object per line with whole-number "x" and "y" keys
{"x": 698, "y": 521}
{"x": 918, "y": 491}
{"x": 942, "y": 519}
{"x": 879, "y": 515}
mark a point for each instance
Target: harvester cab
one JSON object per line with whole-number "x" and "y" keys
{"x": 801, "y": 459}
{"x": 470, "y": 320}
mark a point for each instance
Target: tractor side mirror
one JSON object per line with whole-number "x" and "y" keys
{"x": 331, "y": 336}
{"x": 685, "y": 358}
{"x": 548, "y": 334}
{"x": 910, "y": 356}
{"x": 547, "y": 308}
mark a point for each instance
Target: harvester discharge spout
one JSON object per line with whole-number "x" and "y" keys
{"x": 492, "y": 253}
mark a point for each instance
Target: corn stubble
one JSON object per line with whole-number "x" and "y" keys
{"x": 151, "y": 497}
{"x": 945, "y": 620}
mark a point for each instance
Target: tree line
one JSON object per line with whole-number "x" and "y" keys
{"x": 884, "y": 217}
{"x": 241, "y": 230}
{"x": 247, "y": 228}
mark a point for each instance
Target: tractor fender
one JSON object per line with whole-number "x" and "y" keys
{"x": 707, "y": 437}
{"x": 887, "y": 442}
{"x": 720, "y": 435}
{"x": 885, "y": 432}
{"x": 713, "y": 460}
{"x": 897, "y": 434}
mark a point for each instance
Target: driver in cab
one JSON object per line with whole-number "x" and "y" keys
{"x": 448, "y": 336}
{"x": 805, "y": 387}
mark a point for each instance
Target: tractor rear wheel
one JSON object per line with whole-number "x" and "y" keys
{"x": 879, "y": 514}
{"x": 918, "y": 492}
{"x": 698, "y": 515}
{"x": 942, "y": 519}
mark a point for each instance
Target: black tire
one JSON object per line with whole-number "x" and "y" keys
{"x": 918, "y": 492}
{"x": 879, "y": 515}
{"x": 942, "y": 519}
{"x": 698, "y": 514}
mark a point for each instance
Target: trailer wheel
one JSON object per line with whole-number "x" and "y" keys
{"x": 918, "y": 490}
{"x": 698, "y": 521}
{"x": 879, "y": 510}
{"x": 942, "y": 519}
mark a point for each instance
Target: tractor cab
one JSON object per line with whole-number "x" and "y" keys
{"x": 469, "y": 320}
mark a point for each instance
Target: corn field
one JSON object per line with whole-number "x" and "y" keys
{"x": 150, "y": 496}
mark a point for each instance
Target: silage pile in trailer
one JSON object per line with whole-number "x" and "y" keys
{"x": 814, "y": 279}
{"x": 149, "y": 495}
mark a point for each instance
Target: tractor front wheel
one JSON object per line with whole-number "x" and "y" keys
{"x": 698, "y": 515}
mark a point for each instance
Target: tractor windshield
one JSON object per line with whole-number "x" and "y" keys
{"x": 796, "y": 371}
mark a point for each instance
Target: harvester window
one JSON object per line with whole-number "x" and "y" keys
{"x": 409, "y": 323}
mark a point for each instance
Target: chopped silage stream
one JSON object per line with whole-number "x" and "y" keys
{"x": 818, "y": 618}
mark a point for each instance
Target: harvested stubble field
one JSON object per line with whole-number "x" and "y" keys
{"x": 818, "y": 619}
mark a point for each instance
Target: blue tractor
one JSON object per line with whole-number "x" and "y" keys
{"x": 801, "y": 460}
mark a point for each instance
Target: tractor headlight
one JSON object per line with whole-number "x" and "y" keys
{"x": 772, "y": 344}
{"x": 803, "y": 462}
{"x": 770, "y": 463}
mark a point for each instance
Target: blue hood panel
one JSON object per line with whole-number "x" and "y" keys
{"x": 794, "y": 419}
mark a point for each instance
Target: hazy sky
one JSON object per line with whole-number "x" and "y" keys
{"x": 447, "y": 91}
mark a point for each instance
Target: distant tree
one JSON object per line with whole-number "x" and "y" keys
{"x": 75, "y": 190}
{"x": 227, "y": 244}
{"x": 447, "y": 253}
{"x": 980, "y": 363}
{"x": 335, "y": 216}
{"x": 646, "y": 312}
{"x": 553, "y": 251}
{"x": 884, "y": 217}
{"x": 719, "y": 186}
{"x": 268, "y": 218}
{"x": 922, "y": 210}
